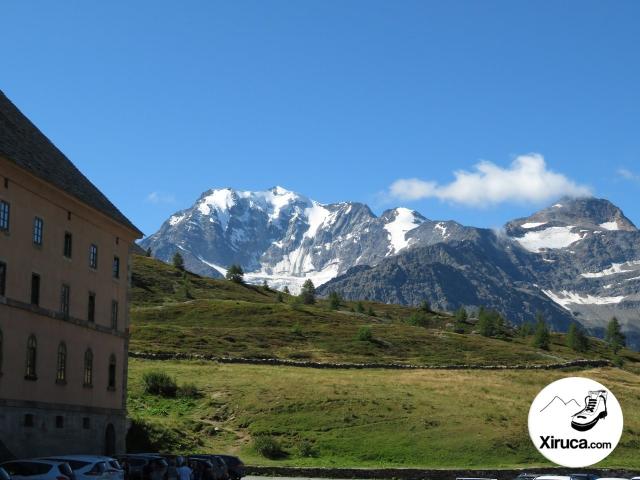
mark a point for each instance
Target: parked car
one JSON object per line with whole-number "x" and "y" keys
{"x": 220, "y": 469}
{"x": 553, "y": 477}
{"x": 527, "y": 476}
{"x": 204, "y": 469}
{"x": 4, "y": 475}
{"x": 139, "y": 466}
{"x": 38, "y": 470}
{"x": 92, "y": 467}
{"x": 235, "y": 466}
{"x": 584, "y": 476}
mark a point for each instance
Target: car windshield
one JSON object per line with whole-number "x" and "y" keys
{"x": 27, "y": 469}
{"x": 74, "y": 464}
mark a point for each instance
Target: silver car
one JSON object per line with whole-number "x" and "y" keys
{"x": 38, "y": 469}
{"x": 92, "y": 467}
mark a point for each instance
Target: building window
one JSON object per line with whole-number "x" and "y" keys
{"x": 86, "y": 423}
{"x": 91, "y": 310}
{"x": 35, "y": 289}
{"x": 28, "y": 420}
{"x": 116, "y": 267}
{"x": 65, "y": 293}
{"x": 93, "y": 256}
{"x": 61, "y": 370}
{"x": 88, "y": 368}
{"x": 1, "y": 351}
{"x": 38, "y": 227}
{"x": 112, "y": 373}
{"x": 68, "y": 244}
{"x": 114, "y": 315}
{"x": 4, "y": 215}
{"x": 59, "y": 421}
{"x": 3, "y": 279}
{"x": 32, "y": 350}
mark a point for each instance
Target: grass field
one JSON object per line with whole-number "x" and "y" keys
{"x": 222, "y": 318}
{"x": 369, "y": 418}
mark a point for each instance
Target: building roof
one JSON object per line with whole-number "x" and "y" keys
{"x": 24, "y": 144}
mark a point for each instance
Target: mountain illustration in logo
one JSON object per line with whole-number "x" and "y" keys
{"x": 559, "y": 403}
{"x": 594, "y": 410}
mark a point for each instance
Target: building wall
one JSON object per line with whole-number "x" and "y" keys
{"x": 29, "y": 197}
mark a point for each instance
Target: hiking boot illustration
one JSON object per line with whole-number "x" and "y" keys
{"x": 595, "y": 408}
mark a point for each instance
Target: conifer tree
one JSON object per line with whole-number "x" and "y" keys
{"x": 576, "y": 338}
{"x": 614, "y": 336}
{"x": 542, "y": 337}
{"x": 178, "y": 261}
{"x": 308, "y": 293}
{"x": 334, "y": 300}
{"x": 235, "y": 274}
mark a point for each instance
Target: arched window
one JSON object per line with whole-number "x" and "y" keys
{"x": 61, "y": 369}
{"x": 32, "y": 350}
{"x": 88, "y": 368}
{"x": 112, "y": 373}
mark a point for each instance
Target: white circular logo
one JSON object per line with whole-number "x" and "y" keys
{"x": 575, "y": 422}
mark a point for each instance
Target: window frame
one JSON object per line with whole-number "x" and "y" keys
{"x": 35, "y": 292}
{"x": 38, "y": 231}
{"x": 111, "y": 373}
{"x": 3, "y": 279}
{"x": 31, "y": 372}
{"x": 65, "y": 300}
{"x": 87, "y": 377}
{"x": 115, "y": 310}
{"x": 5, "y": 216}
{"x": 61, "y": 364}
{"x": 67, "y": 248}
{"x": 91, "y": 307}
{"x": 93, "y": 256}
{"x": 115, "y": 268}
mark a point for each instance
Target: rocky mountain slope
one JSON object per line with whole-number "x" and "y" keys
{"x": 578, "y": 259}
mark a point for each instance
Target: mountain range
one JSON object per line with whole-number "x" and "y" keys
{"x": 578, "y": 259}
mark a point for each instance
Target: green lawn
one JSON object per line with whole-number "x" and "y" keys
{"x": 366, "y": 418}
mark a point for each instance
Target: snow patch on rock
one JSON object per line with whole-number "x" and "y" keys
{"x": 549, "y": 238}
{"x": 404, "y": 221}
{"x": 564, "y": 298}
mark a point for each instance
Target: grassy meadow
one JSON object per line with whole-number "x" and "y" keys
{"x": 368, "y": 418}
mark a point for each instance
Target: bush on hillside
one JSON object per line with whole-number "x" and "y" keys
{"x": 159, "y": 383}
{"x": 268, "y": 447}
{"x": 365, "y": 334}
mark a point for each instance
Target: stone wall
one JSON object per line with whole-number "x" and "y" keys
{"x": 82, "y": 431}
{"x": 420, "y": 474}
{"x": 396, "y": 366}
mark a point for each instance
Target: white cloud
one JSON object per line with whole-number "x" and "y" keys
{"x": 526, "y": 180}
{"x": 628, "y": 175}
{"x": 157, "y": 198}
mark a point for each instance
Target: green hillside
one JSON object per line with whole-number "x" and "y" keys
{"x": 368, "y": 418}
{"x": 341, "y": 417}
{"x": 222, "y": 318}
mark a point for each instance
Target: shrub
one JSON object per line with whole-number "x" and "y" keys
{"x": 159, "y": 383}
{"x": 189, "y": 390}
{"x": 306, "y": 449}
{"x": 418, "y": 319}
{"x": 365, "y": 334}
{"x": 268, "y": 447}
{"x": 360, "y": 307}
{"x": 296, "y": 329}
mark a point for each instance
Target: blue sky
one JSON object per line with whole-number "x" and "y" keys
{"x": 158, "y": 101}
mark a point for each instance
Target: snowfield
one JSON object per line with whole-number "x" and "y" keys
{"x": 532, "y": 224}
{"x": 404, "y": 221}
{"x": 614, "y": 269}
{"x": 549, "y": 238}
{"x": 565, "y": 298}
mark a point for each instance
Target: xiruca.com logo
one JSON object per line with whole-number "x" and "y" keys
{"x": 575, "y": 422}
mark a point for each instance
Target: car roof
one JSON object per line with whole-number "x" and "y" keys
{"x": 46, "y": 461}
{"x": 553, "y": 477}
{"x": 89, "y": 458}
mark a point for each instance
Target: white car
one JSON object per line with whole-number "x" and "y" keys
{"x": 553, "y": 477}
{"x": 38, "y": 470}
{"x": 92, "y": 467}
